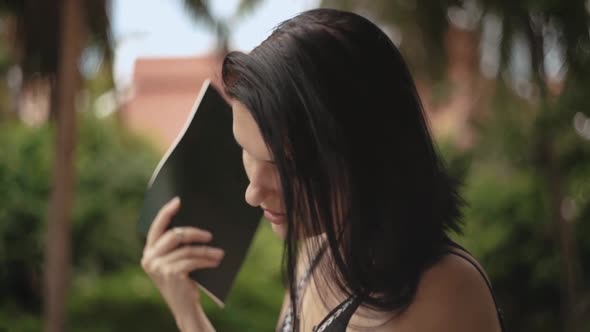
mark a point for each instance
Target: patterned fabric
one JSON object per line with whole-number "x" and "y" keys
{"x": 329, "y": 320}
{"x": 288, "y": 322}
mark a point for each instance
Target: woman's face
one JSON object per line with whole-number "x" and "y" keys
{"x": 264, "y": 189}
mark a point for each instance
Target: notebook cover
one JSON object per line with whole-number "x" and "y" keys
{"x": 204, "y": 168}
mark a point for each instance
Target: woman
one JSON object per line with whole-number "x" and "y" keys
{"x": 340, "y": 159}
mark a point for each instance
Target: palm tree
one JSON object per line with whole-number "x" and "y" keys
{"x": 48, "y": 41}
{"x": 201, "y": 11}
{"x": 58, "y": 254}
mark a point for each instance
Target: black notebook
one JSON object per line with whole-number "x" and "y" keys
{"x": 204, "y": 168}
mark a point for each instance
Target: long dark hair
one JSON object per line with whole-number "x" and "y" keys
{"x": 338, "y": 109}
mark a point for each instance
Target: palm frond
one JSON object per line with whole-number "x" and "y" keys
{"x": 37, "y": 36}
{"x": 200, "y": 11}
{"x": 247, "y": 6}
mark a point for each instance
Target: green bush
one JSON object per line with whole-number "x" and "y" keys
{"x": 112, "y": 171}
{"x": 509, "y": 224}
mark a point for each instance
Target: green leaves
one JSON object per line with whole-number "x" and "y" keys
{"x": 113, "y": 169}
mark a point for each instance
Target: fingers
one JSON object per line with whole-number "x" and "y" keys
{"x": 199, "y": 251}
{"x": 175, "y": 237}
{"x": 162, "y": 220}
{"x": 183, "y": 260}
{"x": 163, "y": 258}
{"x": 183, "y": 267}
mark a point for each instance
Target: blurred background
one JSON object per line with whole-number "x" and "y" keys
{"x": 92, "y": 92}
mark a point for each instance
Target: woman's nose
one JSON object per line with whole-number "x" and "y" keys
{"x": 254, "y": 194}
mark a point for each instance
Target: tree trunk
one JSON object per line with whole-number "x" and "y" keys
{"x": 554, "y": 179}
{"x": 564, "y": 240}
{"x": 57, "y": 265}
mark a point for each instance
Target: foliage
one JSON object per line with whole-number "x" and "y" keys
{"x": 37, "y": 32}
{"x": 508, "y": 228}
{"x": 509, "y": 220}
{"x": 113, "y": 170}
{"x": 127, "y": 300}
{"x": 201, "y": 12}
{"x": 423, "y": 23}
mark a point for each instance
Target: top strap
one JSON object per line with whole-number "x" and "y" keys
{"x": 339, "y": 317}
{"x": 469, "y": 258}
{"x": 287, "y": 325}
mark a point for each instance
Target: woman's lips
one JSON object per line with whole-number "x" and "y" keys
{"x": 274, "y": 217}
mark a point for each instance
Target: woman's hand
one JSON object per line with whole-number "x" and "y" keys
{"x": 168, "y": 258}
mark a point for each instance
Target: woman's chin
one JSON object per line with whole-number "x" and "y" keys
{"x": 280, "y": 230}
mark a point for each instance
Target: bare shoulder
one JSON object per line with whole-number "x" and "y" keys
{"x": 452, "y": 296}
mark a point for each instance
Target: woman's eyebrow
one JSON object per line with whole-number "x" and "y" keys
{"x": 257, "y": 157}
{"x": 239, "y": 144}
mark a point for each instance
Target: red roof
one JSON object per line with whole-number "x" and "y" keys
{"x": 163, "y": 92}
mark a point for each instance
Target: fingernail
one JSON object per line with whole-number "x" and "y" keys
{"x": 175, "y": 200}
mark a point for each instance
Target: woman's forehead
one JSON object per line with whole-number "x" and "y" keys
{"x": 246, "y": 131}
{"x": 243, "y": 122}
